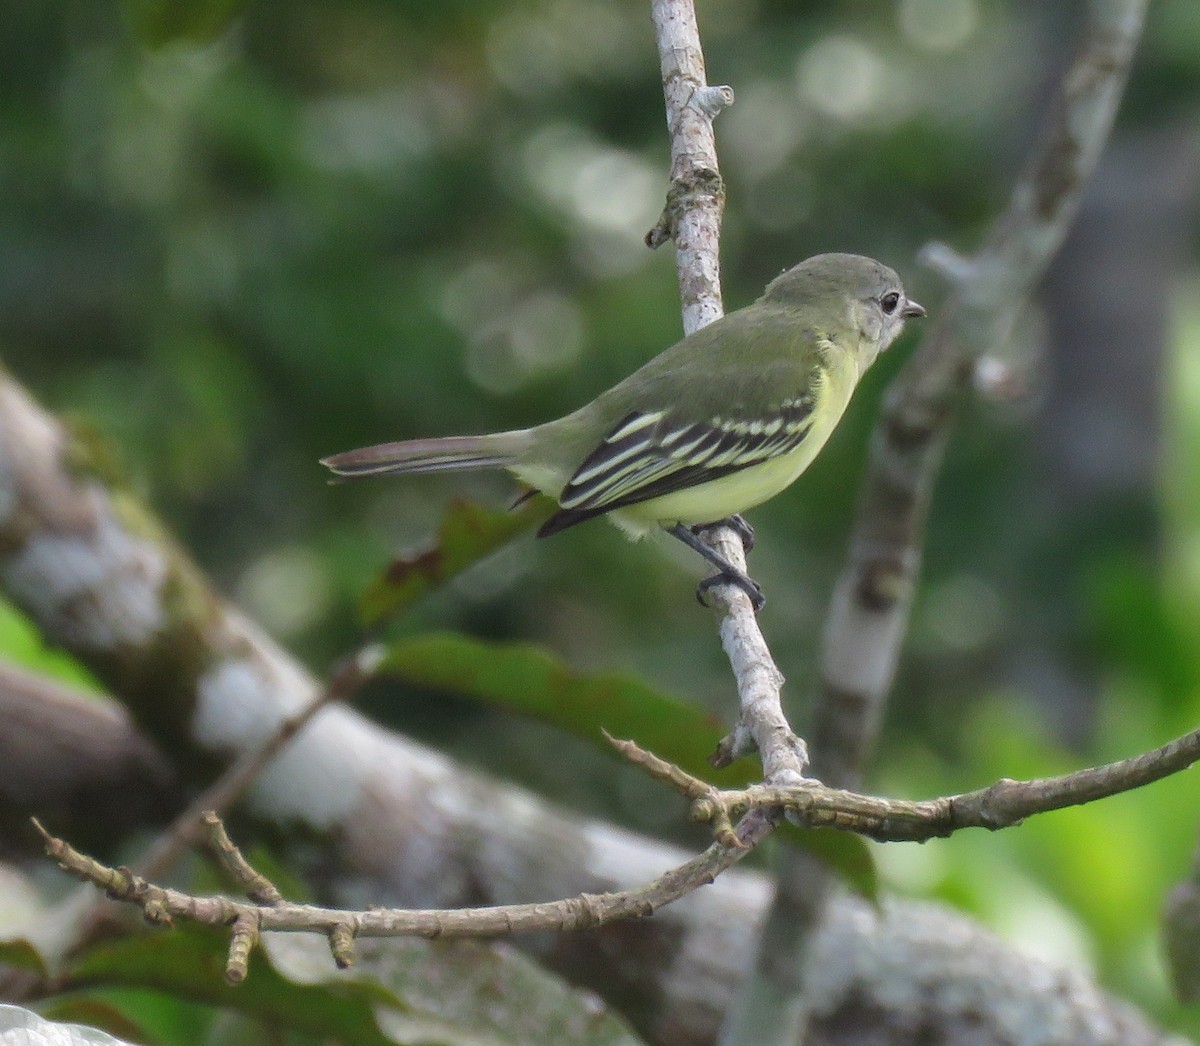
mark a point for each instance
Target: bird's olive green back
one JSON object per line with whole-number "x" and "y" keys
{"x": 744, "y": 365}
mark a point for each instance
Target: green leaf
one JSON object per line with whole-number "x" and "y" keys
{"x": 468, "y": 532}
{"x": 462, "y": 993}
{"x": 521, "y": 677}
{"x": 20, "y": 953}
{"x": 189, "y": 961}
{"x": 479, "y": 992}
{"x": 527, "y": 679}
{"x": 22, "y": 643}
{"x": 95, "y": 1013}
{"x": 848, "y": 855}
{"x": 160, "y": 22}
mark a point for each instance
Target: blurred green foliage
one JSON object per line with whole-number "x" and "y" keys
{"x": 452, "y": 991}
{"x": 335, "y": 223}
{"x": 467, "y": 533}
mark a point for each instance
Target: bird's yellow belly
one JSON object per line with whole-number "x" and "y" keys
{"x": 738, "y": 491}
{"x": 719, "y": 498}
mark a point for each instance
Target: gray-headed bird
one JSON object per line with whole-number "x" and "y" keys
{"x": 718, "y": 423}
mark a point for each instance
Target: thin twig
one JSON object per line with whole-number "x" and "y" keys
{"x": 191, "y": 826}
{"x": 341, "y": 926}
{"x": 696, "y": 198}
{"x": 254, "y": 884}
{"x": 1000, "y": 805}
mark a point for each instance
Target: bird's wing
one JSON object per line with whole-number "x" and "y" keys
{"x": 650, "y": 454}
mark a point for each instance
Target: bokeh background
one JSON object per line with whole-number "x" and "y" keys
{"x": 230, "y": 249}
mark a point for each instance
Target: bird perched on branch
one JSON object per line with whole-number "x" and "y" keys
{"x": 718, "y": 423}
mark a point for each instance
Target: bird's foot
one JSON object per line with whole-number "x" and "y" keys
{"x": 732, "y": 576}
{"x": 737, "y": 524}
{"x": 727, "y": 573}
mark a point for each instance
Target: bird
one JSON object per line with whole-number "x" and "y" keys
{"x": 718, "y": 423}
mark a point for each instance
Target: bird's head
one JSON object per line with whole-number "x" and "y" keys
{"x": 839, "y": 289}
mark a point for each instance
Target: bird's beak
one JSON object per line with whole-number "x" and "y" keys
{"x": 913, "y": 310}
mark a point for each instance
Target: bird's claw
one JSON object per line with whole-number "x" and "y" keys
{"x": 737, "y": 524}
{"x": 746, "y": 583}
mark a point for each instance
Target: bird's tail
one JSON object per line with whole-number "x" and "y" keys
{"x": 494, "y": 451}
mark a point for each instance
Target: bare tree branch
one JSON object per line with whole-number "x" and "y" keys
{"x": 812, "y": 804}
{"x": 1001, "y": 805}
{"x": 881, "y": 969}
{"x": 268, "y": 911}
{"x": 696, "y": 198}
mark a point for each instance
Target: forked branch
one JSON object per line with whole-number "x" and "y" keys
{"x": 811, "y": 804}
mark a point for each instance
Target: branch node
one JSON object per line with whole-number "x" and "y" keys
{"x": 722, "y": 756}
{"x": 716, "y": 809}
{"x": 788, "y": 777}
{"x": 589, "y": 912}
{"x": 156, "y": 913}
{"x": 711, "y": 100}
{"x": 660, "y": 233}
{"x": 121, "y": 884}
{"x": 992, "y": 802}
{"x": 726, "y": 834}
{"x": 694, "y": 188}
{"x": 341, "y": 944}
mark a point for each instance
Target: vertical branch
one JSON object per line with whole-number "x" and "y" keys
{"x": 868, "y": 616}
{"x": 869, "y": 612}
{"x": 692, "y": 218}
{"x": 696, "y": 197}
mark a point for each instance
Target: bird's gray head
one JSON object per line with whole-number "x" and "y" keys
{"x": 840, "y": 289}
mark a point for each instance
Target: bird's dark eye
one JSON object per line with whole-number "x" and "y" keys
{"x": 889, "y": 302}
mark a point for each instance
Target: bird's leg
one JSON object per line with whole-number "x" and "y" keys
{"x": 745, "y": 532}
{"x": 727, "y": 571}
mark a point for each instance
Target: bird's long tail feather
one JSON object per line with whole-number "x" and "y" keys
{"x": 450, "y": 453}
